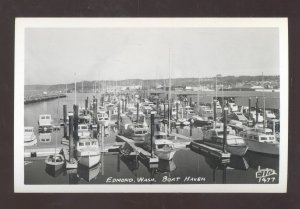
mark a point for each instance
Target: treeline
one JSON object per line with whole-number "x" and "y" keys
{"x": 89, "y": 85}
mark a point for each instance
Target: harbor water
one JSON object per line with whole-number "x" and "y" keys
{"x": 187, "y": 166}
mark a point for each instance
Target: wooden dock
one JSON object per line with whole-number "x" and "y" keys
{"x": 40, "y": 98}
{"x": 137, "y": 150}
{"x": 181, "y": 141}
{"x": 40, "y": 152}
{"x": 216, "y": 153}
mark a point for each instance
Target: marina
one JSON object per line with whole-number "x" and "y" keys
{"x": 123, "y": 161}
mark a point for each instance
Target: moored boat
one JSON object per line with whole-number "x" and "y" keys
{"x": 29, "y": 136}
{"x": 55, "y": 163}
{"x": 45, "y": 123}
{"x": 161, "y": 146}
{"x": 233, "y": 144}
{"x": 88, "y": 152}
{"x": 261, "y": 142}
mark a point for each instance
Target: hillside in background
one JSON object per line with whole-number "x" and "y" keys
{"x": 226, "y": 81}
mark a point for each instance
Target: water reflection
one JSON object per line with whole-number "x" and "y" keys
{"x": 267, "y": 161}
{"x": 54, "y": 173}
{"x": 89, "y": 174}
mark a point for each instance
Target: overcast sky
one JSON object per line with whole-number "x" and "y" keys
{"x": 53, "y": 56}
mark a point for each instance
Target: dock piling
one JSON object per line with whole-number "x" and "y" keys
{"x": 256, "y": 110}
{"x": 65, "y": 120}
{"x": 75, "y": 107}
{"x": 71, "y": 142}
{"x": 225, "y": 128}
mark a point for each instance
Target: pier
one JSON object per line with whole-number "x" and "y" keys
{"x": 137, "y": 150}
{"x": 40, "y": 98}
{"x": 196, "y": 145}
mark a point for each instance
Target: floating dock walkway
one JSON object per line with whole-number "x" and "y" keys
{"x": 196, "y": 145}
{"x": 137, "y": 150}
{"x": 41, "y": 98}
{"x": 40, "y": 152}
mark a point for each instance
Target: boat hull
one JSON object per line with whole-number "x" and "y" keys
{"x": 53, "y": 166}
{"x": 234, "y": 150}
{"x": 30, "y": 142}
{"x": 89, "y": 160}
{"x": 264, "y": 148}
{"x": 165, "y": 155}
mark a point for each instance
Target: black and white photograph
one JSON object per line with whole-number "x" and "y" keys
{"x": 151, "y": 105}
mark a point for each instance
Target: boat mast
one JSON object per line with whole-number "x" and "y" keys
{"x": 198, "y": 97}
{"x": 169, "y": 110}
{"x": 75, "y": 88}
{"x": 264, "y": 124}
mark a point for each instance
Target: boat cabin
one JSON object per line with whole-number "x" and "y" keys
{"x": 216, "y": 136}
{"x": 29, "y": 130}
{"x": 87, "y": 143}
{"x": 45, "y": 120}
{"x": 83, "y": 131}
{"x": 258, "y": 136}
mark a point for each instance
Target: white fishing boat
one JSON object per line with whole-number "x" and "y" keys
{"x": 83, "y": 131}
{"x": 201, "y": 121}
{"x": 45, "y": 123}
{"x": 233, "y": 144}
{"x": 136, "y": 131}
{"x": 161, "y": 146}
{"x": 261, "y": 142}
{"x": 103, "y": 118}
{"x": 29, "y": 136}
{"x": 88, "y": 152}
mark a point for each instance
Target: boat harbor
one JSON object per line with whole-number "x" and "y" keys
{"x": 108, "y": 130}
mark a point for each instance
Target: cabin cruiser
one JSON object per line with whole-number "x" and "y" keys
{"x": 83, "y": 131}
{"x": 29, "y": 136}
{"x": 183, "y": 122}
{"x": 261, "y": 141}
{"x": 260, "y": 118}
{"x": 88, "y": 152}
{"x": 45, "y": 123}
{"x": 270, "y": 114}
{"x": 102, "y": 117}
{"x": 234, "y": 144}
{"x": 206, "y": 111}
{"x": 189, "y": 110}
{"x": 201, "y": 121}
{"x": 161, "y": 146}
{"x": 136, "y": 131}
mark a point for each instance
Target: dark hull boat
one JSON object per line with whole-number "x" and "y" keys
{"x": 54, "y": 163}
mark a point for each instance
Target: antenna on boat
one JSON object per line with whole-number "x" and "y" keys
{"x": 75, "y": 88}
{"x": 169, "y": 112}
{"x": 263, "y": 80}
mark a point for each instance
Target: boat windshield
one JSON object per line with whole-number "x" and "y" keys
{"x": 83, "y": 128}
{"x": 267, "y": 139}
{"x": 164, "y": 146}
{"x": 221, "y": 133}
{"x": 160, "y": 136}
{"x": 235, "y": 141}
{"x": 140, "y": 132}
